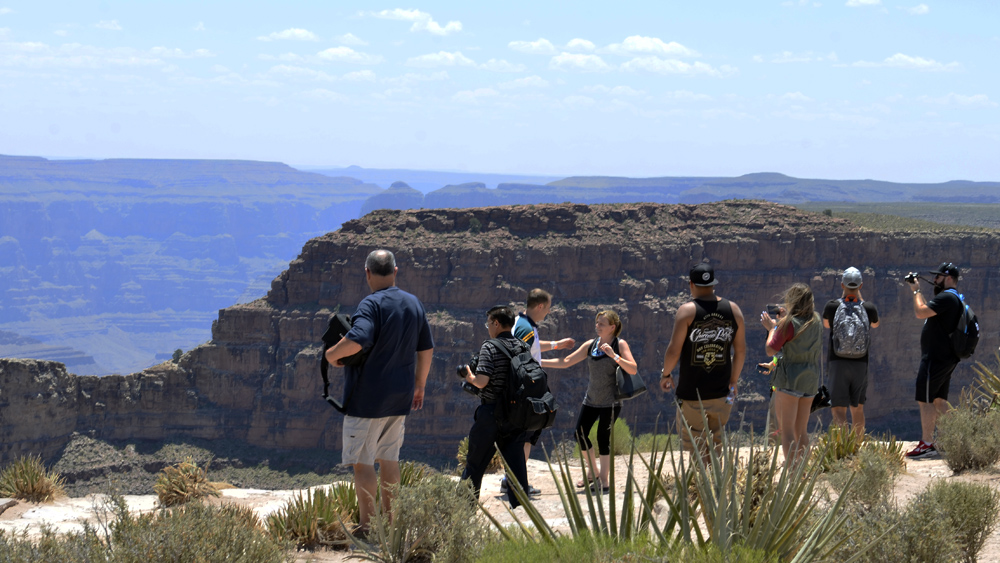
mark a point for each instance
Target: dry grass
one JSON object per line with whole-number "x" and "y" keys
{"x": 182, "y": 483}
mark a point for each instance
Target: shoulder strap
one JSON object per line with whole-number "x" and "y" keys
{"x": 955, "y": 292}
{"x": 502, "y": 347}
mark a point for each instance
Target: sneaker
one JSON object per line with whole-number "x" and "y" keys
{"x": 532, "y": 491}
{"x": 922, "y": 450}
{"x": 503, "y": 486}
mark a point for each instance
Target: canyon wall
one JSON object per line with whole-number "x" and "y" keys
{"x": 257, "y": 380}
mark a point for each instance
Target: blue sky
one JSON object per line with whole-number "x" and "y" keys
{"x": 903, "y": 91}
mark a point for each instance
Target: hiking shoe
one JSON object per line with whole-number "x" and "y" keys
{"x": 922, "y": 450}
{"x": 532, "y": 491}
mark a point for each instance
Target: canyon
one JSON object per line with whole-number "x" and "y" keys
{"x": 257, "y": 380}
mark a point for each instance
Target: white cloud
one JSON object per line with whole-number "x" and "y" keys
{"x": 526, "y": 82}
{"x": 5, "y": 10}
{"x": 583, "y": 63}
{"x": 637, "y": 45}
{"x": 541, "y": 47}
{"x": 757, "y": 59}
{"x": 360, "y": 76}
{"x": 293, "y": 34}
{"x": 673, "y": 66}
{"x": 899, "y": 60}
{"x": 348, "y": 55}
{"x": 580, "y": 45}
{"x": 109, "y": 25}
{"x": 287, "y": 57}
{"x": 175, "y": 53}
{"x": 806, "y": 57}
{"x": 199, "y": 27}
{"x": 441, "y": 58}
{"x": 301, "y": 72}
{"x": 857, "y": 3}
{"x": 501, "y": 65}
{"x": 4, "y": 32}
{"x": 75, "y": 55}
{"x": 795, "y": 97}
{"x": 616, "y": 91}
{"x": 413, "y": 78}
{"x": 325, "y": 95}
{"x": 919, "y": 10}
{"x": 953, "y": 99}
{"x": 422, "y": 21}
{"x": 474, "y": 96}
{"x": 351, "y": 39}
{"x": 687, "y": 96}
{"x": 220, "y": 69}
{"x": 579, "y": 101}
{"x": 61, "y": 33}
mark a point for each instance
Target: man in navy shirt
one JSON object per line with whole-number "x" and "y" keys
{"x": 391, "y": 325}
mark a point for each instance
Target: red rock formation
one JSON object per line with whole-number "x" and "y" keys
{"x": 258, "y": 381}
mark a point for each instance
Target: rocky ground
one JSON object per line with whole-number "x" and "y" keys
{"x": 67, "y": 514}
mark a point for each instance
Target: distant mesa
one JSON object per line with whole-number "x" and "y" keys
{"x": 15, "y": 346}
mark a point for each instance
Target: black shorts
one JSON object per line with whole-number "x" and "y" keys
{"x": 533, "y": 438}
{"x": 848, "y": 383}
{"x": 933, "y": 379}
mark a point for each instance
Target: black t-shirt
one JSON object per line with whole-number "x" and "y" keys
{"x": 830, "y": 311}
{"x": 706, "y": 363}
{"x": 935, "y": 338}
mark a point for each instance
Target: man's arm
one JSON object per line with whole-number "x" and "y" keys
{"x": 739, "y": 345}
{"x": 424, "y": 358}
{"x": 920, "y": 308}
{"x": 340, "y": 350}
{"x": 556, "y": 344}
{"x": 685, "y": 314}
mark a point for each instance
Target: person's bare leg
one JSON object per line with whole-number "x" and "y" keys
{"x": 941, "y": 408}
{"x": 802, "y": 412}
{"x": 365, "y": 482}
{"x": 858, "y": 420}
{"x": 527, "y": 451}
{"x": 605, "y": 469}
{"x": 785, "y": 406}
{"x": 839, "y": 415}
{"x": 388, "y": 472}
{"x": 593, "y": 472}
{"x": 928, "y": 421}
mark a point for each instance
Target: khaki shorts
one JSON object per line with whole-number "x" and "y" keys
{"x": 368, "y": 439}
{"x": 716, "y": 413}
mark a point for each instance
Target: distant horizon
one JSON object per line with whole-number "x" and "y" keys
{"x": 314, "y": 167}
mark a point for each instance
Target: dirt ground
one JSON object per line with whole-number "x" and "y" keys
{"x": 66, "y": 514}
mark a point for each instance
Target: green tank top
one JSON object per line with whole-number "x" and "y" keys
{"x": 798, "y": 368}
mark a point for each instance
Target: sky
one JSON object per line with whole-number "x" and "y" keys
{"x": 845, "y": 89}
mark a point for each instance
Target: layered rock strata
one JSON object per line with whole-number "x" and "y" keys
{"x": 257, "y": 380}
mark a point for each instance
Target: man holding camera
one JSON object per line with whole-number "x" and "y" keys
{"x": 391, "y": 324}
{"x": 937, "y": 355}
{"x": 486, "y": 435}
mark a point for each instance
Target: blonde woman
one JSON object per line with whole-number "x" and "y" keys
{"x": 605, "y": 354}
{"x": 796, "y": 333}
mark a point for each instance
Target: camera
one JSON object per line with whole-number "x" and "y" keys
{"x": 773, "y": 309}
{"x": 911, "y": 277}
{"x": 461, "y": 372}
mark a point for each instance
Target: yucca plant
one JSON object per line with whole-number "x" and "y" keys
{"x": 839, "y": 442}
{"x": 411, "y": 473}
{"x": 183, "y": 482}
{"x": 324, "y": 516}
{"x": 463, "y": 454}
{"x": 27, "y": 479}
{"x": 987, "y": 384}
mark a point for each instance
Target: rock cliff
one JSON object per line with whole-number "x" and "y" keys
{"x": 257, "y": 379}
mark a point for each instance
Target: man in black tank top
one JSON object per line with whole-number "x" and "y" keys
{"x": 709, "y": 342}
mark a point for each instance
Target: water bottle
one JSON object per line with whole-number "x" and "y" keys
{"x": 731, "y": 397}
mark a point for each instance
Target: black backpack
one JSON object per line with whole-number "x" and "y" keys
{"x": 966, "y": 336}
{"x": 340, "y": 325}
{"x": 526, "y": 402}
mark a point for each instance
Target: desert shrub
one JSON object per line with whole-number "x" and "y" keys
{"x": 435, "y": 518}
{"x": 193, "y": 532}
{"x": 412, "y": 472}
{"x": 645, "y": 442}
{"x": 244, "y": 513}
{"x": 874, "y": 477}
{"x": 26, "y": 478}
{"x": 971, "y": 510}
{"x": 621, "y": 438}
{"x": 463, "y": 453}
{"x": 183, "y": 482}
{"x": 969, "y": 437}
{"x": 888, "y": 448}
{"x": 838, "y": 443}
{"x": 317, "y": 517}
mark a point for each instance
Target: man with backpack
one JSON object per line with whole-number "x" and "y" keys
{"x": 850, "y": 320}
{"x": 937, "y": 352}
{"x": 505, "y": 366}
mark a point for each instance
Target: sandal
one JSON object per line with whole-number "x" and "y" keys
{"x": 595, "y": 488}
{"x": 582, "y": 485}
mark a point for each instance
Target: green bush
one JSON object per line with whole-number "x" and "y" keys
{"x": 183, "y": 482}
{"x": 839, "y": 442}
{"x": 193, "y": 532}
{"x": 26, "y": 478}
{"x": 969, "y": 437}
{"x": 317, "y": 517}
{"x": 434, "y": 519}
{"x": 645, "y": 442}
{"x": 971, "y": 509}
{"x": 621, "y": 439}
{"x": 874, "y": 477}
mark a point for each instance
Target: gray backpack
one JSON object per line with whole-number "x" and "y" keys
{"x": 850, "y": 331}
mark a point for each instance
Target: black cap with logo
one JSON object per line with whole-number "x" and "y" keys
{"x": 703, "y": 275}
{"x": 946, "y": 269}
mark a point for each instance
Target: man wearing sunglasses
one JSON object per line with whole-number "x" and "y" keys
{"x": 937, "y": 355}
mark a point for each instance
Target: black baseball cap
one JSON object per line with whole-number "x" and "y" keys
{"x": 703, "y": 275}
{"x": 946, "y": 269}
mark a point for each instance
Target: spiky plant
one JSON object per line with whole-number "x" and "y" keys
{"x": 26, "y": 478}
{"x": 183, "y": 482}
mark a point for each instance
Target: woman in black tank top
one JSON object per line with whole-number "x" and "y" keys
{"x": 606, "y": 353}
